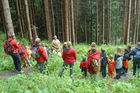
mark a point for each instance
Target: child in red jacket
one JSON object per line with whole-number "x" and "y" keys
{"x": 43, "y": 55}
{"x": 83, "y": 66}
{"x": 111, "y": 66}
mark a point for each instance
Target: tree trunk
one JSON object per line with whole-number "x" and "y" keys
{"x": 48, "y": 20}
{"x": 103, "y": 21}
{"x": 85, "y": 29}
{"x": 97, "y": 22}
{"x": 124, "y": 21}
{"x": 28, "y": 21}
{"x": 66, "y": 20}
{"x": 77, "y": 22}
{"x": 19, "y": 18}
{"x": 128, "y": 22}
{"x": 7, "y": 15}
{"x": 53, "y": 21}
{"x": 72, "y": 22}
{"x": 109, "y": 22}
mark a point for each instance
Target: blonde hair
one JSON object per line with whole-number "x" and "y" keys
{"x": 43, "y": 44}
{"x": 65, "y": 45}
{"x": 119, "y": 51}
{"x": 69, "y": 45}
{"x": 37, "y": 40}
{"x": 93, "y": 44}
{"x": 138, "y": 44}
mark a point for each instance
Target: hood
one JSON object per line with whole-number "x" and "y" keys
{"x": 138, "y": 48}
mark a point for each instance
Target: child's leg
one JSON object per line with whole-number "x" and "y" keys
{"x": 64, "y": 65}
{"x": 41, "y": 67}
{"x": 28, "y": 61}
{"x": 71, "y": 69}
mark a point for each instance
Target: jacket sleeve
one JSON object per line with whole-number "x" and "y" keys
{"x": 133, "y": 52}
{"x": 44, "y": 54}
{"x": 75, "y": 56}
{"x": 63, "y": 56}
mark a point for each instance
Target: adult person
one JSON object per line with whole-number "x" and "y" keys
{"x": 56, "y": 45}
{"x": 136, "y": 58}
{"x": 14, "y": 53}
{"x": 69, "y": 56}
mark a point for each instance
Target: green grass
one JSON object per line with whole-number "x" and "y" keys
{"x": 51, "y": 83}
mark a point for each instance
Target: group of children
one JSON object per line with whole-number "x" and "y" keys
{"x": 119, "y": 63}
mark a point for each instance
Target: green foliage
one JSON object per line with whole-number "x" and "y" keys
{"x": 49, "y": 82}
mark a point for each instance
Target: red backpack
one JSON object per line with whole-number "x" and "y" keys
{"x": 21, "y": 50}
{"x": 7, "y": 47}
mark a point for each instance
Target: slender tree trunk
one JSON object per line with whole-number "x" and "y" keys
{"x": 103, "y": 13}
{"x": 97, "y": 22}
{"x": 138, "y": 22}
{"x": 28, "y": 21}
{"x": 85, "y": 28}
{"x": 19, "y": 18}
{"x": 109, "y": 22}
{"x": 48, "y": 20}
{"x": 91, "y": 9}
{"x": 77, "y": 22}
{"x": 128, "y": 22}
{"x": 53, "y": 21}
{"x": 124, "y": 21}
{"x": 7, "y": 15}
{"x": 72, "y": 22}
{"x": 66, "y": 20}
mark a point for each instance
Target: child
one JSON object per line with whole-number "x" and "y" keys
{"x": 43, "y": 55}
{"x": 23, "y": 55}
{"x": 125, "y": 62}
{"x": 118, "y": 59}
{"x": 104, "y": 60}
{"x": 83, "y": 66}
{"x": 47, "y": 49}
{"x": 111, "y": 66}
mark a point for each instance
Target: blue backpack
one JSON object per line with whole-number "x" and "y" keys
{"x": 137, "y": 56}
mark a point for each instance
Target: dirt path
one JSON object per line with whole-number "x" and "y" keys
{"x": 10, "y": 73}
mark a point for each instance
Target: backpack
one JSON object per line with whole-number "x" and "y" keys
{"x": 21, "y": 50}
{"x": 137, "y": 56}
{"x": 35, "y": 52}
{"x": 95, "y": 65}
{"x": 7, "y": 47}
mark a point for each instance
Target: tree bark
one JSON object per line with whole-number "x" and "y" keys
{"x": 72, "y": 22}
{"x": 109, "y": 22}
{"x": 124, "y": 21}
{"x": 103, "y": 21}
{"x": 97, "y": 22}
{"x": 19, "y": 18}
{"x": 8, "y": 19}
{"x": 48, "y": 20}
{"x": 28, "y": 21}
{"x": 66, "y": 20}
{"x": 128, "y": 22}
{"x": 53, "y": 21}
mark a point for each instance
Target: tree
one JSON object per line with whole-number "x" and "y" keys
{"x": 72, "y": 22}
{"x": 124, "y": 21}
{"x": 19, "y": 18}
{"x": 7, "y": 15}
{"x": 66, "y": 20}
{"x": 103, "y": 13}
{"x": 109, "y": 22}
{"x": 97, "y": 22}
{"x": 128, "y": 23}
{"x": 28, "y": 21}
{"x": 48, "y": 20}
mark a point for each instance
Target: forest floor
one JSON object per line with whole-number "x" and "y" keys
{"x": 27, "y": 71}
